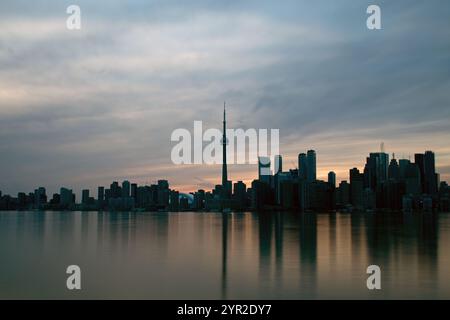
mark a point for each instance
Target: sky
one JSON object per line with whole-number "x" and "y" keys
{"x": 82, "y": 108}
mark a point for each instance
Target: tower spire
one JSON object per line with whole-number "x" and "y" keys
{"x": 224, "y": 152}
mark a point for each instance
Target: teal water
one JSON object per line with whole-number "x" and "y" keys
{"x": 214, "y": 256}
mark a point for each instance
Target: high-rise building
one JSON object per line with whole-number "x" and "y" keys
{"x": 403, "y": 164}
{"x": 376, "y": 169}
{"x": 278, "y": 164}
{"x": 343, "y": 197}
{"x": 101, "y": 194}
{"x": 419, "y": 161}
{"x": 302, "y": 166}
{"x": 332, "y": 179}
{"x": 116, "y": 191}
{"x": 125, "y": 189}
{"x": 356, "y": 188}
{"x": 394, "y": 170}
{"x": 100, "y": 197}
{"x": 311, "y": 166}
{"x": 430, "y": 173}
{"x": 240, "y": 194}
{"x": 174, "y": 200}
{"x": 85, "y": 196}
{"x": 40, "y": 197}
{"x": 66, "y": 198}
{"x": 133, "y": 190}
{"x": 163, "y": 193}
{"x": 412, "y": 179}
{"x": 426, "y": 165}
{"x": 264, "y": 172}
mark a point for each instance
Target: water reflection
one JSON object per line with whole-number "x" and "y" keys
{"x": 224, "y": 254}
{"x": 214, "y": 255}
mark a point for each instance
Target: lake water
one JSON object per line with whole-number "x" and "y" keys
{"x": 224, "y": 256}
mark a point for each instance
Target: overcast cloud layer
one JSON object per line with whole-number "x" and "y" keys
{"x": 83, "y": 108}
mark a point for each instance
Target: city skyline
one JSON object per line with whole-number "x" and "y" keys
{"x": 323, "y": 176}
{"x": 82, "y": 108}
{"x": 388, "y": 184}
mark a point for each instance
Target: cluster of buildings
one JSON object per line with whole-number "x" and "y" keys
{"x": 385, "y": 185}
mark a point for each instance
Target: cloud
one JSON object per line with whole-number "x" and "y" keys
{"x": 84, "y": 108}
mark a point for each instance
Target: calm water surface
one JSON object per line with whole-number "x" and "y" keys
{"x": 216, "y": 256}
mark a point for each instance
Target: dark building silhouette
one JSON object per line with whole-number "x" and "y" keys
{"x": 311, "y": 165}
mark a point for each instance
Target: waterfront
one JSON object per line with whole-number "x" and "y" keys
{"x": 193, "y": 255}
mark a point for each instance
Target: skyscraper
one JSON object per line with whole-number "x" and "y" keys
{"x": 311, "y": 166}
{"x": 403, "y": 165}
{"x": 133, "y": 190}
{"x": 66, "y": 198}
{"x": 356, "y": 188}
{"x": 394, "y": 170}
{"x": 376, "y": 169}
{"x": 419, "y": 161}
{"x": 302, "y": 166}
{"x": 278, "y": 164}
{"x": 264, "y": 172}
{"x": 125, "y": 189}
{"x": 428, "y": 179}
{"x": 430, "y": 173}
{"x": 332, "y": 179}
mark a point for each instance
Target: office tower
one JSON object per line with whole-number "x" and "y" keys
{"x": 356, "y": 188}
{"x": 376, "y": 169}
{"x": 116, "y": 191}
{"x": 412, "y": 180}
{"x": 430, "y": 173}
{"x": 85, "y": 196}
{"x": 108, "y": 195}
{"x": 66, "y": 198}
{"x": 419, "y": 161}
{"x": 343, "y": 193}
{"x": 332, "y": 179}
{"x": 100, "y": 197}
{"x": 184, "y": 204}
{"x": 174, "y": 200}
{"x": 225, "y": 191}
{"x": 40, "y": 197}
{"x": 199, "y": 199}
{"x": 101, "y": 194}
{"x": 264, "y": 169}
{"x": 240, "y": 194}
{"x": 278, "y": 164}
{"x": 302, "y": 166}
{"x": 261, "y": 194}
{"x": 22, "y": 199}
{"x": 403, "y": 164}
{"x": 311, "y": 166}
{"x": 394, "y": 170}
{"x": 125, "y": 189}
{"x": 133, "y": 191}
{"x": 163, "y": 193}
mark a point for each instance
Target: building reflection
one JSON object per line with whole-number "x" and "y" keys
{"x": 308, "y": 252}
{"x": 265, "y": 225}
{"x": 279, "y": 225}
{"x": 224, "y": 254}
